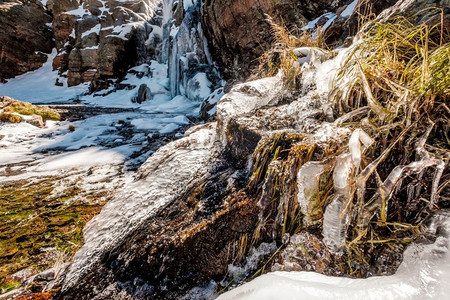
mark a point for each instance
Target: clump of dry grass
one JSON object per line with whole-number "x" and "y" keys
{"x": 25, "y": 108}
{"x": 10, "y": 118}
{"x": 398, "y": 80}
{"x": 393, "y": 93}
{"x": 282, "y": 57}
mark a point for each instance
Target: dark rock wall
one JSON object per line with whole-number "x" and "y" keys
{"x": 239, "y": 33}
{"x": 25, "y": 37}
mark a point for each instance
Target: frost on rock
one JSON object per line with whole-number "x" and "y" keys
{"x": 245, "y": 98}
{"x": 170, "y": 172}
{"x": 252, "y": 261}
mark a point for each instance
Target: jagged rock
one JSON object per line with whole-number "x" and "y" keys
{"x": 344, "y": 27}
{"x": 236, "y": 106}
{"x": 305, "y": 252}
{"x": 102, "y": 42}
{"x": 35, "y": 120}
{"x": 238, "y": 31}
{"x": 25, "y": 37}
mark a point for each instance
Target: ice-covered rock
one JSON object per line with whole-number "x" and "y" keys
{"x": 423, "y": 274}
{"x": 172, "y": 171}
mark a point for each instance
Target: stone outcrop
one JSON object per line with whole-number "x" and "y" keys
{"x": 25, "y": 37}
{"x": 238, "y": 31}
{"x": 98, "y": 40}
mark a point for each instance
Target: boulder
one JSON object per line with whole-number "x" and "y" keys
{"x": 144, "y": 93}
{"x": 35, "y": 120}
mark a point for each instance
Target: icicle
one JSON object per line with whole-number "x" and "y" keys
{"x": 334, "y": 226}
{"x": 341, "y": 174}
{"x": 308, "y": 187}
{"x": 354, "y": 144}
{"x": 436, "y": 178}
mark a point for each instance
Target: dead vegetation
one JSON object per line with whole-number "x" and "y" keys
{"x": 391, "y": 173}
{"x": 282, "y": 56}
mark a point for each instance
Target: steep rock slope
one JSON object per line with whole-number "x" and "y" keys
{"x": 25, "y": 37}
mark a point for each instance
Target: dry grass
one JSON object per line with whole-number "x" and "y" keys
{"x": 25, "y": 108}
{"x": 10, "y": 118}
{"x": 394, "y": 88}
{"x": 398, "y": 78}
{"x": 282, "y": 57}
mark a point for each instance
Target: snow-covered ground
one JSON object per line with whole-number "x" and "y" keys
{"x": 39, "y": 86}
{"x": 98, "y": 140}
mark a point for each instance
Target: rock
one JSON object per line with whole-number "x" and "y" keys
{"x": 238, "y": 31}
{"x": 102, "y": 42}
{"x": 35, "y": 296}
{"x": 25, "y": 37}
{"x": 58, "y": 83}
{"x": 305, "y": 252}
{"x": 244, "y": 100}
{"x": 35, "y": 120}
{"x": 179, "y": 13}
{"x": 208, "y": 108}
{"x": 5, "y": 101}
{"x": 344, "y": 27}
{"x": 144, "y": 93}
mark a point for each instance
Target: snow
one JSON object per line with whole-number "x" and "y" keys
{"x": 89, "y": 132}
{"x": 423, "y": 274}
{"x": 80, "y": 11}
{"x": 348, "y": 11}
{"x": 312, "y": 24}
{"x": 329, "y": 21}
{"x": 162, "y": 124}
{"x": 188, "y": 3}
{"x": 198, "y": 87}
{"x": 123, "y": 30}
{"x": 94, "y": 156}
{"x": 39, "y": 86}
{"x": 95, "y": 29}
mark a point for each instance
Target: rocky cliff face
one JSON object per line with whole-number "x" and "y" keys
{"x": 238, "y": 31}
{"x": 97, "y": 40}
{"x": 25, "y": 37}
